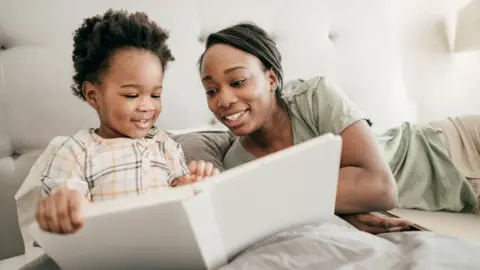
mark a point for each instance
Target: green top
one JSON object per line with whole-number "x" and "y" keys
{"x": 425, "y": 175}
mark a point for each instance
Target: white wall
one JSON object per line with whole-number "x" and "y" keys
{"x": 441, "y": 83}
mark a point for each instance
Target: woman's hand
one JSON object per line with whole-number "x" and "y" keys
{"x": 375, "y": 224}
{"x": 198, "y": 171}
{"x": 62, "y": 211}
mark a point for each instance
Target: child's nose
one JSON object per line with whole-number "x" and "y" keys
{"x": 146, "y": 104}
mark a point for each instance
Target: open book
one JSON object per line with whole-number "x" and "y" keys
{"x": 206, "y": 224}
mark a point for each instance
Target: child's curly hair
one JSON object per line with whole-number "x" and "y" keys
{"x": 100, "y": 36}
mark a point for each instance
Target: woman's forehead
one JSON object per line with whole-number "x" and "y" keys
{"x": 226, "y": 57}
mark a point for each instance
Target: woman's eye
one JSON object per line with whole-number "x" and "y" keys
{"x": 238, "y": 83}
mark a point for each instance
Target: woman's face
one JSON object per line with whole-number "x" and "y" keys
{"x": 240, "y": 92}
{"x": 128, "y": 98}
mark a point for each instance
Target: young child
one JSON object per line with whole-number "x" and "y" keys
{"x": 119, "y": 62}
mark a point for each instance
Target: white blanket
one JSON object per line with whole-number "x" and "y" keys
{"x": 335, "y": 244}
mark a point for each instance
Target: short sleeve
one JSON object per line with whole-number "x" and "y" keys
{"x": 175, "y": 158}
{"x": 66, "y": 168}
{"x": 323, "y": 106}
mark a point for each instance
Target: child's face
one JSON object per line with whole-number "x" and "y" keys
{"x": 128, "y": 98}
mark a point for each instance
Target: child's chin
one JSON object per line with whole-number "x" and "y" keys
{"x": 138, "y": 134}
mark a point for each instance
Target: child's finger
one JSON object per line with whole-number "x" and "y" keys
{"x": 63, "y": 214}
{"x": 51, "y": 214}
{"x": 208, "y": 169}
{"x": 200, "y": 172}
{"x": 192, "y": 167}
{"x": 40, "y": 215}
{"x": 175, "y": 182}
{"x": 215, "y": 171}
{"x": 186, "y": 179}
{"x": 75, "y": 207}
{"x": 189, "y": 178}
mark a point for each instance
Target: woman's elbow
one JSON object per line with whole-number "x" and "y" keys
{"x": 387, "y": 191}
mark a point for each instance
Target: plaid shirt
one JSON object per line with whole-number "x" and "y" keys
{"x": 105, "y": 169}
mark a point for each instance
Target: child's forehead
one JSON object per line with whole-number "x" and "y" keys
{"x": 136, "y": 67}
{"x": 132, "y": 59}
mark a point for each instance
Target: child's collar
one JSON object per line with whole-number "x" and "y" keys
{"x": 152, "y": 133}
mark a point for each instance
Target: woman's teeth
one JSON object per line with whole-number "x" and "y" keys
{"x": 234, "y": 117}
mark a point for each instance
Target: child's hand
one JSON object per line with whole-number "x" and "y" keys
{"x": 198, "y": 170}
{"x": 62, "y": 211}
{"x": 201, "y": 169}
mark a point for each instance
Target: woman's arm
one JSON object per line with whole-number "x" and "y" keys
{"x": 366, "y": 182}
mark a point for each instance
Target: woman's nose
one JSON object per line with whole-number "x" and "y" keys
{"x": 226, "y": 98}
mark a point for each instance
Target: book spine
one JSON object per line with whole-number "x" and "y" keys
{"x": 205, "y": 228}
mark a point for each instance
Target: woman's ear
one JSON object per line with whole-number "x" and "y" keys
{"x": 273, "y": 80}
{"x": 90, "y": 93}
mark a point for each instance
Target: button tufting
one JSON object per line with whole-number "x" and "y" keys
{"x": 213, "y": 121}
{"x": 2, "y": 47}
{"x": 332, "y": 36}
{"x": 15, "y": 155}
{"x": 202, "y": 36}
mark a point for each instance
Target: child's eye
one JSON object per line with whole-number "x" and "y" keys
{"x": 156, "y": 96}
{"x": 131, "y": 96}
{"x": 238, "y": 83}
{"x": 211, "y": 92}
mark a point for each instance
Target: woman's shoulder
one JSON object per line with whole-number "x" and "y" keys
{"x": 321, "y": 104}
{"x": 236, "y": 155}
{"x": 314, "y": 87}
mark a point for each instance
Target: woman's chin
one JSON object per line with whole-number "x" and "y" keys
{"x": 241, "y": 131}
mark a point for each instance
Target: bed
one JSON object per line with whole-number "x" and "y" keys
{"x": 351, "y": 42}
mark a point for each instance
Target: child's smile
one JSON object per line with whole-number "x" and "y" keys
{"x": 144, "y": 123}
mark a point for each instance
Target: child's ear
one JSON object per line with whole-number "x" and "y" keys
{"x": 91, "y": 94}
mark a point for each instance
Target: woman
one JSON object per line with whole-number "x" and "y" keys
{"x": 243, "y": 79}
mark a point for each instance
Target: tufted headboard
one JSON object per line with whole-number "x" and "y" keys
{"x": 352, "y": 42}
